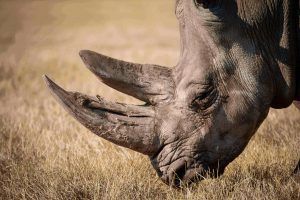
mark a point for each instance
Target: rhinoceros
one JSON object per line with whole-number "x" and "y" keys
{"x": 238, "y": 59}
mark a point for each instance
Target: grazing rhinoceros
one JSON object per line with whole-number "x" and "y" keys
{"x": 238, "y": 59}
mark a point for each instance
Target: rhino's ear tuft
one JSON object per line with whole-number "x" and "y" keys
{"x": 150, "y": 83}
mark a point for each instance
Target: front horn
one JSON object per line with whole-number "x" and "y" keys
{"x": 125, "y": 125}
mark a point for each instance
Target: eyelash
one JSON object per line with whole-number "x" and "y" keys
{"x": 203, "y": 3}
{"x": 205, "y": 101}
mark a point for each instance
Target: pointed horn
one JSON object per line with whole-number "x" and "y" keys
{"x": 150, "y": 83}
{"x": 125, "y": 125}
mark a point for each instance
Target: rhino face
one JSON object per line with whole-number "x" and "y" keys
{"x": 201, "y": 114}
{"x": 217, "y": 105}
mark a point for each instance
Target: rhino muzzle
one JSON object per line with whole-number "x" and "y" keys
{"x": 130, "y": 126}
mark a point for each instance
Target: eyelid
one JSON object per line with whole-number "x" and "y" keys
{"x": 205, "y": 99}
{"x": 205, "y": 93}
{"x": 207, "y": 3}
{"x": 204, "y": 3}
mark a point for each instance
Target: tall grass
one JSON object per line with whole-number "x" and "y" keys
{"x": 45, "y": 154}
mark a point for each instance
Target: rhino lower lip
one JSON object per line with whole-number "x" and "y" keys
{"x": 182, "y": 172}
{"x": 194, "y": 174}
{"x": 184, "y": 176}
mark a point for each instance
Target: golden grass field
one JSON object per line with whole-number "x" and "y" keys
{"x": 46, "y": 154}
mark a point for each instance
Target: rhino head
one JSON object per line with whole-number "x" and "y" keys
{"x": 238, "y": 59}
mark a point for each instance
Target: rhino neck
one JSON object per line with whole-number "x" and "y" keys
{"x": 287, "y": 87}
{"x": 274, "y": 34}
{"x": 297, "y": 96}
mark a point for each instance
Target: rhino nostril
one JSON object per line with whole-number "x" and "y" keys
{"x": 178, "y": 175}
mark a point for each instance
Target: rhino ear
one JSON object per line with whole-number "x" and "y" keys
{"x": 150, "y": 83}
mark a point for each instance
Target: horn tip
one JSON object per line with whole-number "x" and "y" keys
{"x": 47, "y": 80}
{"x": 83, "y": 52}
{"x": 54, "y": 88}
{"x": 85, "y": 57}
{"x": 50, "y": 84}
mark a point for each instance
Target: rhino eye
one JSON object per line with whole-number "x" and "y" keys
{"x": 204, "y": 100}
{"x": 204, "y": 3}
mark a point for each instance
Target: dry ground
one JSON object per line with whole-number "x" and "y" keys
{"x": 45, "y": 154}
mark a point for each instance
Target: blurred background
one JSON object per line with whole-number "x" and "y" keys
{"x": 45, "y": 154}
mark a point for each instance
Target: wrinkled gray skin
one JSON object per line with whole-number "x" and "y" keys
{"x": 238, "y": 59}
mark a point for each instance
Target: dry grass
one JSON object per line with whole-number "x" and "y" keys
{"x": 45, "y": 154}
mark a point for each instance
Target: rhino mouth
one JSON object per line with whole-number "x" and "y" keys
{"x": 187, "y": 170}
{"x": 185, "y": 176}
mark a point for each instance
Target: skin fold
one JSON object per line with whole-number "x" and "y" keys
{"x": 238, "y": 59}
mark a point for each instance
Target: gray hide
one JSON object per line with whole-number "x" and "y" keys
{"x": 238, "y": 58}
{"x": 297, "y": 98}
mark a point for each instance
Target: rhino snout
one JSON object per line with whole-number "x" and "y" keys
{"x": 182, "y": 172}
